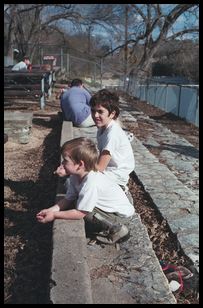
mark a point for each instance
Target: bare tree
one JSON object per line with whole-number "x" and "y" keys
{"x": 154, "y": 24}
{"x": 178, "y": 58}
{"x": 23, "y": 27}
{"x": 26, "y": 23}
{"x": 144, "y": 30}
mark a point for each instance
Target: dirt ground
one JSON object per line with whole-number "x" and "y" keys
{"x": 29, "y": 185}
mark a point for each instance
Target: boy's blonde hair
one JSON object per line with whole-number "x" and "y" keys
{"x": 82, "y": 149}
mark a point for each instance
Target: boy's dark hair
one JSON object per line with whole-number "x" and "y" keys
{"x": 106, "y": 99}
{"x": 76, "y": 83}
{"x": 26, "y": 58}
{"x": 82, "y": 149}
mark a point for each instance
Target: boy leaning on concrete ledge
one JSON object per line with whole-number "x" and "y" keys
{"x": 91, "y": 196}
{"x": 23, "y": 65}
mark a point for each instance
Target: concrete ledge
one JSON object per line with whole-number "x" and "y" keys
{"x": 66, "y": 132}
{"x": 70, "y": 272}
{"x": 142, "y": 279}
{"x": 70, "y": 277}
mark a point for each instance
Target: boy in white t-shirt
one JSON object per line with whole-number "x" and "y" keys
{"x": 91, "y": 194}
{"x": 22, "y": 65}
{"x": 116, "y": 158}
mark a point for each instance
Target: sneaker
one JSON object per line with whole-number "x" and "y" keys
{"x": 119, "y": 233}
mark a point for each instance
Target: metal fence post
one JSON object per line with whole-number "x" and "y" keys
{"x": 101, "y": 71}
{"x": 42, "y": 101}
{"x": 94, "y": 72}
{"x": 197, "y": 110}
{"x": 166, "y": 97}
{"x": 68, "y": 64}
{"x": 61, "y": 58}
{"x": 179, "y": 98}
{"x": 147, "y": 88}
{"x": 50, "y": 85}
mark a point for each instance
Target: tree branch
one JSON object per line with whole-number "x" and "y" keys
{"x": 182, "y": 32}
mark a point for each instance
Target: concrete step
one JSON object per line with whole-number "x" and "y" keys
{"x": 70, "y": 279}
{"x": 180, "y": 156}
{"x": 130, "y": 273}
{"x": 177, "y": 203}
{"x": 142, "y": 278}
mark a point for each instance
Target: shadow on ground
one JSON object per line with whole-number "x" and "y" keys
{"x": 29, "y": 275}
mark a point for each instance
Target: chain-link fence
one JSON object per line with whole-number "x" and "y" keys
{"x": 75, "y": 66}
{"x": 169, "y": 94}
{"x": 72, "y": 62}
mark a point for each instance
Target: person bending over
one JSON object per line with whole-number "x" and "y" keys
{"x": 22, "y": 65}
{"x": 75, "y": 105}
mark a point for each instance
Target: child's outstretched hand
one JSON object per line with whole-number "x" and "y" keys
{"x": 45, "y": 216}
{"x": 60, "y": 171}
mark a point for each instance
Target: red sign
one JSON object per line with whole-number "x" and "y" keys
{"x": 49, "y": 58}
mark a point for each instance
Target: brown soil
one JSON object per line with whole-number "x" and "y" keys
{"x": 30, "y": 185}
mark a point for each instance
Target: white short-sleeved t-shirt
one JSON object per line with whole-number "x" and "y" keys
{"x": 122, "y": 163}
{"x": 20, "y": 66}
{"x": 97, "y": 190}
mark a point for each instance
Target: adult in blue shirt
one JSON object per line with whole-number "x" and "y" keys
{"x": 75, "y": 105}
